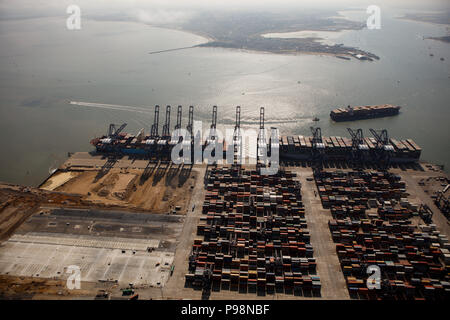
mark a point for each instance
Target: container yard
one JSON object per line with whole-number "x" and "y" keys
{"x": 254, "y": 236}
{"x": 439, "y": 190}
{"x": 374, "y": 223}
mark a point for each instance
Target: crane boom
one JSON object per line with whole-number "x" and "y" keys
{"x": 154, "y": 129}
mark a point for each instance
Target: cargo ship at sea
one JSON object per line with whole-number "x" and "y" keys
{"x": 364, "y": 112}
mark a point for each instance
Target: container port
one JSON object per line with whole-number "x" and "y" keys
{"x": 364, "y": 112}
{"x": 379, "y": 148}
{"x": 141, "y": 226}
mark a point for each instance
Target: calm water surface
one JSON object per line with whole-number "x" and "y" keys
{"x": 43, "y": 67}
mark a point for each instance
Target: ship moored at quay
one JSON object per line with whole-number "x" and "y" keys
{"x": 343, "y": 148}
{"x": 369, "y": 149}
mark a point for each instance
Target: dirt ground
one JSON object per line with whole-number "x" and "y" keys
{"x": 58, "y": 180}
{"x": 433, "y": 185}
{"x": 12, "y": 287}
{"x": 165, "y": 189}
{"x": 12, "y": 217}
{"x": 18, "y": 203}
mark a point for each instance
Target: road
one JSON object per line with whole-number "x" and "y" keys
{"x": 328, "y": 267}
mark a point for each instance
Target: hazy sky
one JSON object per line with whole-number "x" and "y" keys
{"x": 160, "y": 9}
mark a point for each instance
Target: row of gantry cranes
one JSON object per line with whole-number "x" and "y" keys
{"x": 160, "y": 146}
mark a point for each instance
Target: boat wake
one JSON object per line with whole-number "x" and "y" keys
{"x": 225, "y": 120}
{"x": 111, "y": 106}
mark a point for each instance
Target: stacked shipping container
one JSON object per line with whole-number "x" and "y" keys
{"x": 339, "y": 148}
{"x": 254, "y": 234}
{"x": 370, "y": 230}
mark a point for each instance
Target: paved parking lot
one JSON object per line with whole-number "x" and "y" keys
{"x": 105, "y": 245}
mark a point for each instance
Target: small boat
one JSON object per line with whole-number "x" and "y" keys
{"x": 316, "y": 119}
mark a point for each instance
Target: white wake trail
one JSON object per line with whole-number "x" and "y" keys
{"x": 111, "y": 106}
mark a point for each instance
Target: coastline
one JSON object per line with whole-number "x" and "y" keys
{"x": 211, "y": 39}
{"x": 444, "y": 39}
{"x": 292, "y": 53}
{"x": 412, "y": 19}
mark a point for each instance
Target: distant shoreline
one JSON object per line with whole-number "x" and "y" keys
{"x": 439, "y": 19}
{"x": 211, "y": 39}
{"x": 256, "y": 43}
{"x": 436, "y": 19}
{"x": 445, "y": 39}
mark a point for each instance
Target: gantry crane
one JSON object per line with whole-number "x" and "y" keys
{"x": 212, "y": 137}
{"x": 154, "y": 130}
{"x": 179, "y": 113}
{"x": 383, "y": 148}
{"x": 318, "y": 147}
{"x": 212, "y": 132}
{"x": 166, "y": 127}
{"x": 190, "y": 124}
{"x": 177, "y": 137}
{"x": 113, "y": 131}
{"x": 359, "y": 147}
{"x": 237, "y": 126}
{"x": 237, "y": 138}
{"x": 261, "y": 141}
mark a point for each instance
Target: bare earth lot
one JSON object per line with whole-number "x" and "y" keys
{"x": 141, "y": 185}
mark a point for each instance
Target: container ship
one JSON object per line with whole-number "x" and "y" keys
{"x": 364, "y": 112}
{"x": 290, "y": 147}
{"x": 340, "y": 148}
